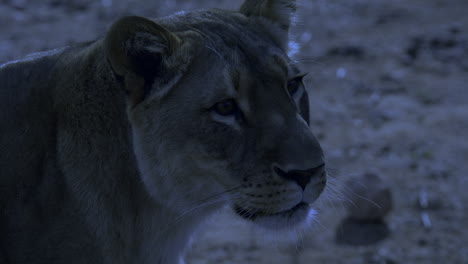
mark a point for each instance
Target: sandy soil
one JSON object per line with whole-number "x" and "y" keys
{"x": 388, "y": 83}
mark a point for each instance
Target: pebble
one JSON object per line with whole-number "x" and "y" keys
{"x": 370, "y": 201}
{"x": 361, "y": 233}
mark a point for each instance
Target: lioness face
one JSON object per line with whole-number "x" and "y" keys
{"x": 234, "y": 128}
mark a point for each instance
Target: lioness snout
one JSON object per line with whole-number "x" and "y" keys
{"x": 304, "y": 177}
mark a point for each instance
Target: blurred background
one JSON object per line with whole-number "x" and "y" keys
{"x": 388, "y": 84}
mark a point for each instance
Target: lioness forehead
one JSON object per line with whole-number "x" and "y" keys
{"x": 238, "y": 41}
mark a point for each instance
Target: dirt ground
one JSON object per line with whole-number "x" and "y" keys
{"x": 389, "y": 89}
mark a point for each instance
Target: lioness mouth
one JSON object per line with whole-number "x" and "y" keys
{"x": 252, "y": 214}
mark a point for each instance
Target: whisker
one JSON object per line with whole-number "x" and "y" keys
{"x": 350, "y": 192}
{"x": 210, "y": 200}
{"x": 219, "y": 194}
{"x": 299, "y": 61}
{"x": 178, "y": 218}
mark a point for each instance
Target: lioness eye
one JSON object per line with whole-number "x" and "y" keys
{"x": 226, "y": 107}
{"x": 294, "y": 85}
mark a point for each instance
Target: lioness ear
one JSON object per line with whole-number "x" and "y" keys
{"x": 278, "y": 11}
{"x": 138, "y": 50}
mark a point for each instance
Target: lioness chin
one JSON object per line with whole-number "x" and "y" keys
{"x": 114, "y": 151}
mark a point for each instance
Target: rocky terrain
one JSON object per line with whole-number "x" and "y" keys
{"x": 388, "y": 83}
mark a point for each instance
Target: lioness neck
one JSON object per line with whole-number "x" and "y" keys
{"x": 143, "y": 231}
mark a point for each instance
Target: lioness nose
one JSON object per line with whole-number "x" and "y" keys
{"x": 301, "y": 177}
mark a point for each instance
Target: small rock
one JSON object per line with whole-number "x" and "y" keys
{"x": 19, "y": 4}
{"x": 361, "y": 233}
{"x": 72, "y": 5}
{"x": 414, "y": 48}
{"x": 370, "y": 198}
{"x": 455, "y": 29}
{"x": 341, "y": 73}
{"x": 430, "y": 202}
{"x": 350, "y": 51}
{"x": 306, "y": 37}
{"x": 361, "y": 88}
{"x": 392, "y": 83}
{"x": 370, "y": 202}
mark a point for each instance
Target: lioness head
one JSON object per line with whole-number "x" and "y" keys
{"x": 219, "y": 112}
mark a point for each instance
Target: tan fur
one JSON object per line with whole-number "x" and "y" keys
{"x": 112, "y": 152}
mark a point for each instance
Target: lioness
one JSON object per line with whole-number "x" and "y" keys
{"x": 114, "y": 151}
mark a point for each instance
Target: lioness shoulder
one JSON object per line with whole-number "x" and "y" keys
{"x": 115, "y": 151}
